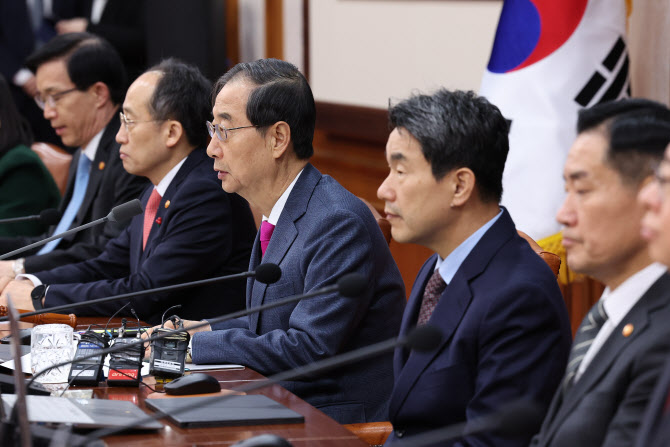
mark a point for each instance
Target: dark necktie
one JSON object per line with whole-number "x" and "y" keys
{"x": 150, "y": 212}
{"x": 586, "y": 333}
{"x": 431, "y": 295}
{"x": 266, "y": 233}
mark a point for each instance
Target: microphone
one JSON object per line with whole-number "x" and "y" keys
{"x": 352, "y": 283}
{"x": 118, "y": 214}
{"x": 266, "y": 273}
{"x": 423, "y": 339}
{"x": 519, "y": 418}
{"x": 49, "y": 216}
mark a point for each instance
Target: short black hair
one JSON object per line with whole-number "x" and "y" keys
{"x": 14, "y": 129}
{"x": 282, "y": 94}
{"x": 88, "y": 58}
{"x": 458, "y": 129}
{"x": 637, "y": 131}
{"x": 182, "y": 94}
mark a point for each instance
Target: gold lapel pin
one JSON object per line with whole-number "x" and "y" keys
{"x": 101, "y": 165}
{"x": 167, "y": 204}
{"x": 627, "y": 330}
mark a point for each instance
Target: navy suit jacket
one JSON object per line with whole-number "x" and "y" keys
{"x": 109, "y": 185}
{"x": 199, "y": 232}
{"x": 655, "y": 428}
{"x": 606, "y": 405}
{"x": 323, "y": 233}
{"x": 506, "y": 336}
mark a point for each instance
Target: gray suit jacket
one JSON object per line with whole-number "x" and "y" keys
{"x": 605, "y": 407}
{"x": 323, "y": 233}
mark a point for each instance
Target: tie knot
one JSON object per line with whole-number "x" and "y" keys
{"x": 436, "y": 284}
{"x": 596, "y": 317}
{"x": 154, "y": 200}
{"x": 266, "y": 231}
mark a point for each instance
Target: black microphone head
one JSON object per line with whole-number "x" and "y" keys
{"x": 521, "y": 417}
{"x": 268, "y": 273}
{"x": 351, "y": 285}
{"x": 50, "y": 216}
{"x": 125, "y": 211}
{"x": 424, "y": 338}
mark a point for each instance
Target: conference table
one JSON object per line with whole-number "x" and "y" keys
{"x": 318, "y": 430}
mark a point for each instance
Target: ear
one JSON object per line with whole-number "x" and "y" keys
{"x": 101, "y": 92}
{"x": 464, "y": 184}
{"x": 278, "y": 137}
{"x": 173, "y": 131}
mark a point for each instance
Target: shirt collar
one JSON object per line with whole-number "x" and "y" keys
{"x": 92, "y": 147}
{"x": 449, "y": 266}
{"x": 279, "y": 204}
{"x": 165, "y": 182}
{"x": 619, "y": 302}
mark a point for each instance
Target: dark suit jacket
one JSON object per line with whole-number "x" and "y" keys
{"x": 323, "y": 233}
{"x": 203, "y": 232}
{"x": 506, "y": 336}
{"x": 655, "y": 428}
{"x": 108, "y": 185}
{"x": 605, "y": 407}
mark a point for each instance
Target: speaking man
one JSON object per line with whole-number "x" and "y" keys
{"x": 190, "y": 228}
{"x": 316, "y": 231}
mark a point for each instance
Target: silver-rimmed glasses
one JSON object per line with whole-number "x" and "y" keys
{"x": 220, "y": 131}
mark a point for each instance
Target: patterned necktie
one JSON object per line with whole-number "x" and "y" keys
{"x": 586, "y": 333}
{"x": 431, "y": 295}
{"x": 266, "y": 233}
{"x": 149, "y": 215}
{"x": 80, "y": 183}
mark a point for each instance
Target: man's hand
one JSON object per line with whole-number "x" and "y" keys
{"x": 168, "y": 325}
{"x": 6, "y": 269}
{"x": 76, "y": 25}
{"x": 19, "y": 291}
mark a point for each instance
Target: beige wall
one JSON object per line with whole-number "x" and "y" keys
{"x": 363, "y": 52}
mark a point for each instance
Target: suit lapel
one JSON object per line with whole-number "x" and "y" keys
{"x": 97, "y": 169}
{"x": 284, "y": 234}
{"x": 451, "y": 308}
{"x": 602, "y": 362}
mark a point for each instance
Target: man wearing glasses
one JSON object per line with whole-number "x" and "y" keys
{"x": 619, "y": 349}
{"x": 316, "y": 231}
{"x": 190, "y": 229}
{"x": 80, "y": 82}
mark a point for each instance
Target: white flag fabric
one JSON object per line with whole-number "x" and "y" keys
{"x": 549, "y": 59}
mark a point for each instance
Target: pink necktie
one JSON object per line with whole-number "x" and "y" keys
{"x": 149, "y": 215}
{"x": 266, "y": 233}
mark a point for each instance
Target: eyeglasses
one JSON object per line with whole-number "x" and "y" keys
{"x": 215, "y": 129}
{"x": 127, "y": 122}
{"x": 51, "y": 99}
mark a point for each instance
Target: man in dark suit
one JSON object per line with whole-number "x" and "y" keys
{"x": 81, "y": 83}
{"x": 316, "y": 231}
{"x": 655, "y": 426}
{"x": 620, "y": 347}
{"x": 506, "y": 333}
{"x": 190, "y": 228}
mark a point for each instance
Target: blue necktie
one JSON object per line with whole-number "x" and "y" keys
{"x": 80, "y": 183}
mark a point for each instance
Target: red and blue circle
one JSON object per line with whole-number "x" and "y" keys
{"x": 530, "y": 30}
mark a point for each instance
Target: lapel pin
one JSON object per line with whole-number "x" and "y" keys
{"x": 159, "y": 220}
{"x": 627, "y": 330}
{"x": 167, "y": 204}
{"x": 101, "y": 165}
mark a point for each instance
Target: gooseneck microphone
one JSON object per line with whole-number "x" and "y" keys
{"x": 118, "y": 214}
{"x": 352, "y": 283}
{"x": 518, "y": 418}
{"x": 266, "y": 273}
{"x": 423, "y": 339}
{"x": 49, "y": 216}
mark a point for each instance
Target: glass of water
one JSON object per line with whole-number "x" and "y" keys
{"x": 51, "y": 344}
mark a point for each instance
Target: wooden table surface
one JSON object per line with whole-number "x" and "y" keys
{"x": 318, "y": 430}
